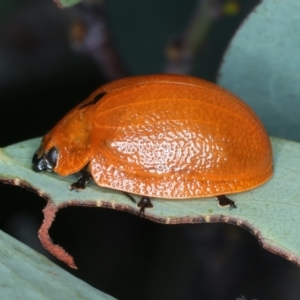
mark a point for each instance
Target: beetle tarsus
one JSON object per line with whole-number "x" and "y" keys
{"x": 224, "y": 201}
{"x": 130, "y": 197}
{"x": 81, "y": 182}
{"x": 145, "y": 202}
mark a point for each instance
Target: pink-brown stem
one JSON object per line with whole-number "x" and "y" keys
{"x": 57, "y": 251}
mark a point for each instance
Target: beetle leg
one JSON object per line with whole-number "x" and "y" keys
{"x": 81, "y": 182}
{"x": 145, "y": 202}
{"x": 224, "y": 201}
{"x": 130, "y": 197}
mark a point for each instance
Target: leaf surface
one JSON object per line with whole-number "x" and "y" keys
{"x": 262, "y": 65}
{"x": 26, "y": 274}
{"x": 270, "y": 212}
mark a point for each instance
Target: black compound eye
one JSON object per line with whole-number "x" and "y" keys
{"x": 50, "y": 159}
{"x": 38, "y": 163}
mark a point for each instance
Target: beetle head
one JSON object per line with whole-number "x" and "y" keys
{"x": 44, "y": 162}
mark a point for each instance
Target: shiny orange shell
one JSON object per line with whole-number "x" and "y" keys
{"x": 167, "y": 136}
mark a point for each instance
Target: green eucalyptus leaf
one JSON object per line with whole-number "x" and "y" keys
{"x": 270, "y": 212}
{"x": 262, "y": 66}
{"x": 26, "y": 274}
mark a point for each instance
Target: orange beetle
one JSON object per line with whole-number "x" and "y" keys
{"x": 166, "y": 136}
